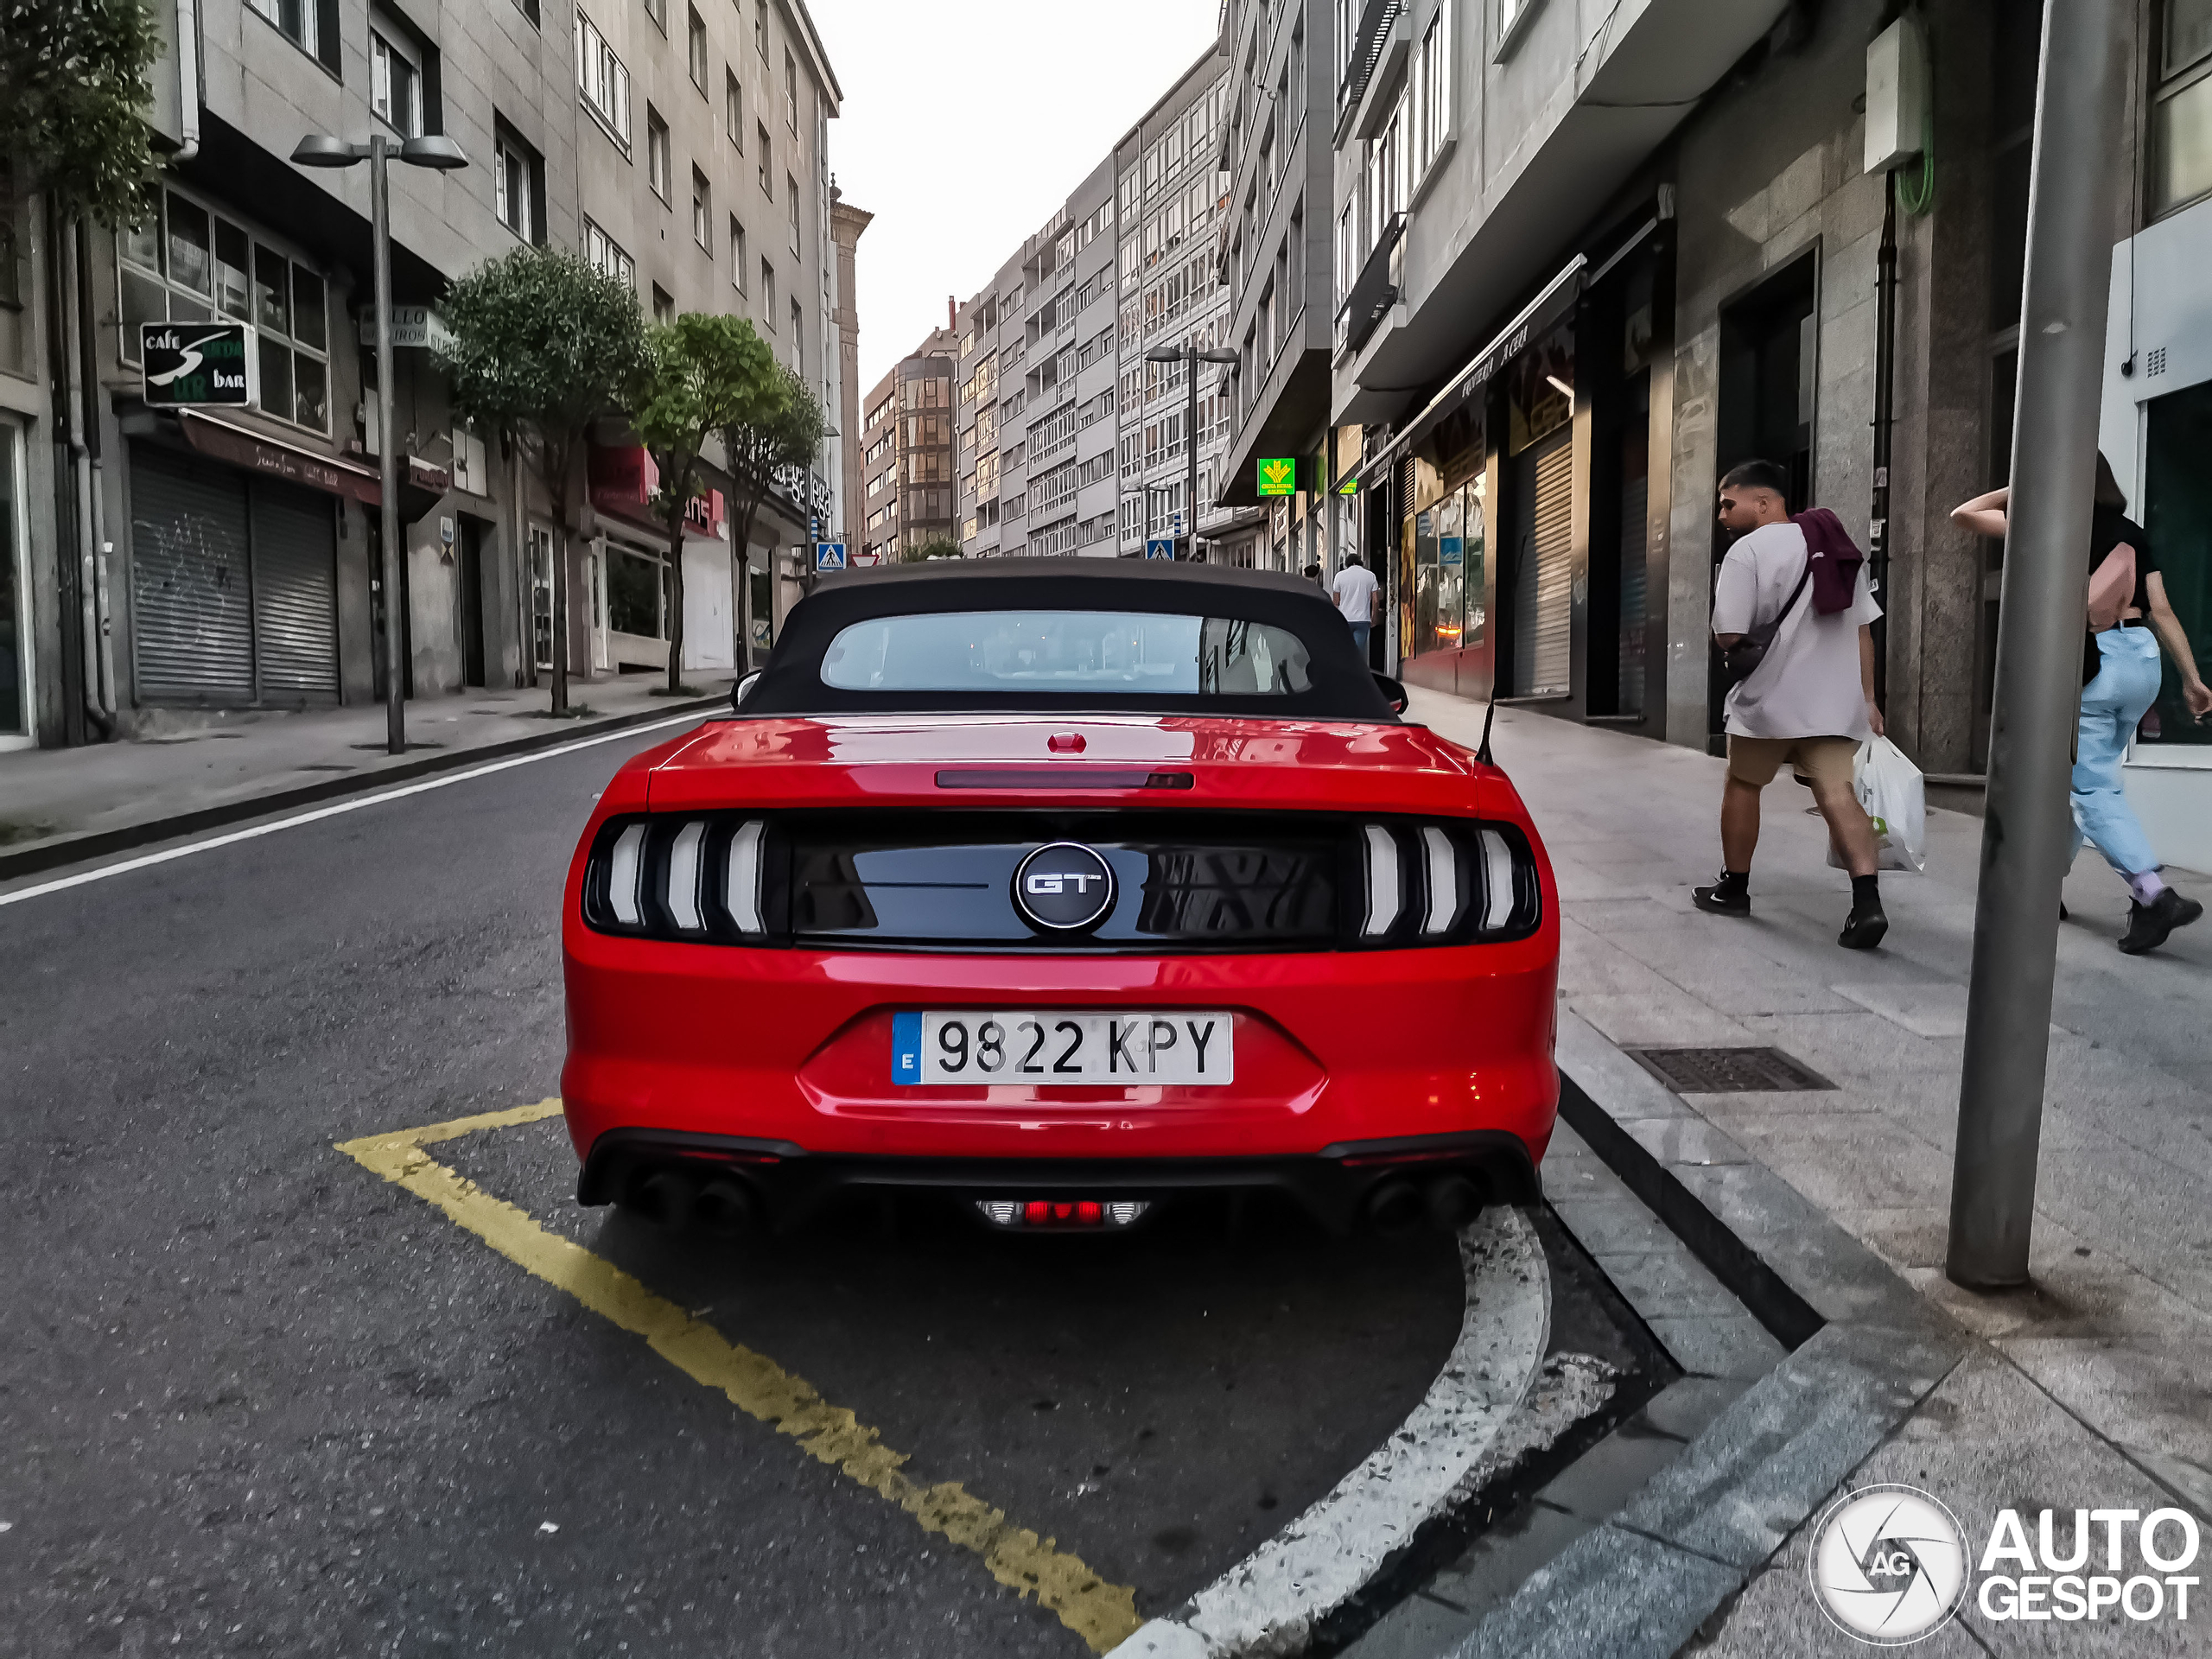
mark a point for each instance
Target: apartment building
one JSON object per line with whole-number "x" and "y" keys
{"x": 701, "y": 176}
{"x": 847, "y": 223}
{"x": 908, "y": 457}
{"x": 226, "y": 558}
{"x": 1272, "y": 256}
{"x": 1069, "y": 440}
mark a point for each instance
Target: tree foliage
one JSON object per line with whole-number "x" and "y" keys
{"x": 758, "y": 449}
{"x": 542, "y": 345}
{"x": 937, "y": 547}
{"x": 702, "y": 374}
{"x": 73, "y": 94}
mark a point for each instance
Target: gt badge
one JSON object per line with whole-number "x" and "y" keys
{"x": 1062, "y": 887}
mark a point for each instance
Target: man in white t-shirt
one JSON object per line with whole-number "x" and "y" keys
{"x": 1810, "y": 701}
{"x": 1359, "y": 600}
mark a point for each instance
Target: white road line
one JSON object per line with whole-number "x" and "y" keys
{"x": 1270, "y": 1602}
{"x": 352, "y": 805}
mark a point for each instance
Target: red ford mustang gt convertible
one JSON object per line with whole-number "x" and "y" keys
{"x": 1064, "y": 886}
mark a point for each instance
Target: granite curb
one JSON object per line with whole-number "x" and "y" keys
{"x": 1867, "y": 1350}
{"x": 57, "y": 851}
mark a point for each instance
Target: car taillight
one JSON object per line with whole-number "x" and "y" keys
{"x": 682, "y": 878}
{"x": 1447, "y": 882}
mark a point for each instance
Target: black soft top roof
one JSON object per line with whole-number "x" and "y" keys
{"x": 1342, "y": 687}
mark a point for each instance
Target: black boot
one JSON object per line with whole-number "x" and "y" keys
{"x": 1864, "y": 928}
{"x": 2149, "y": 924}
{"x": 1729, "y": 896}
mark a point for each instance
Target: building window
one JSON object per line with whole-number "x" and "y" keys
{"x": 517, "y": 184}
{"x": 2181, "y": 113}
{"x": 761, "y": 29}
{"x": 703, "y": 216}
{"x": 602, "y": 254}
{"x": 791, "y": 209}
{"x": 799, "y": 339}
{"x": 736, "y": 255}
{"x": 396, "y": 84}
{"x": 791, "y": 92}
{"x": 767, "y": 294}
{"x": 733, "y": 109}
{"x": 186, "y": 265}
{"x": 663, "y": 304}
{"x": 695, "y": 44}
{"x": 1433, "y": 113}
{"x": 657, "y": 156}
{"x": 603, "y": 81}
{"x": 760, "y": 139}
{"x": 658, "y": 10}
{"x": 311, "y": 25}
{"x": 529, "y": 8}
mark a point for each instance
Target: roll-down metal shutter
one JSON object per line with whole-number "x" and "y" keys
{"x": 1543, "y": 583}
{"x": 192, "y": 604}
{"x": 294, "y": 593}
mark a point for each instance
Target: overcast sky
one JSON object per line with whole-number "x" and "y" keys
{"x": 966, "y": 124}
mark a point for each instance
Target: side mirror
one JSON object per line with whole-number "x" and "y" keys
{"x": 738, "y": 692}
{"x": 1392, "y": 693}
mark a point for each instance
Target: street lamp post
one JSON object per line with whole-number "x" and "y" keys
{"x": 320, "y": 149}
{"x": 1190, "y": 356}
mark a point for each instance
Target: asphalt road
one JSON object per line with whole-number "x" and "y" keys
{"x": 256, "y": 1400}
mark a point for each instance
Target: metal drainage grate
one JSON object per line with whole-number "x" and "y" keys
{"x": 1727, "y": 1070}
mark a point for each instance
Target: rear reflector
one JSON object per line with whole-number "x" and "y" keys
{"x": 1066, "y": 1214}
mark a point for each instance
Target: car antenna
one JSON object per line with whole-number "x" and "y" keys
{"x": 1483, "y": 753}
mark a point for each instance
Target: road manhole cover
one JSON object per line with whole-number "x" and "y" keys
{"x": 1727, "y": 1070}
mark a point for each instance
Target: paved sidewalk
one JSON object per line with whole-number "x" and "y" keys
{"x": 2094, "y": 1388}
{"x": 50, "y": 797}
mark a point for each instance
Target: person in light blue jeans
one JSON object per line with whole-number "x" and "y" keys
{"x": 2120, "y": 676}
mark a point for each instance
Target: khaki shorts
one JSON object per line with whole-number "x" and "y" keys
{"x": 1754, "y": 760}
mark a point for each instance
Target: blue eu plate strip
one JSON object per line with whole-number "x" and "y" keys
{"x": 905, "y": 1048}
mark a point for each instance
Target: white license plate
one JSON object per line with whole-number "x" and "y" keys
{"x": 1054, "y": 1045}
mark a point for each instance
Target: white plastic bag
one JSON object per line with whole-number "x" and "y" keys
{"x": 1888, "y": 786}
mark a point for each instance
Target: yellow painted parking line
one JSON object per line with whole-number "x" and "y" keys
{"x": 1102, "y": 1614}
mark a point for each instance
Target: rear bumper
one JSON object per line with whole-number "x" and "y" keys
{"x": 1334, "y": 1185}
{"x": 792, "y": 1049}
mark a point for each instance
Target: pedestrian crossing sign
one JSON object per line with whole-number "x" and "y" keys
{"x": 829, "y": 556}
{"x": 1160, "y": 547}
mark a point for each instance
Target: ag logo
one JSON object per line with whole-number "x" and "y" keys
{"x": 1062, "y": 887}
{"x": 1888, "y": 1564}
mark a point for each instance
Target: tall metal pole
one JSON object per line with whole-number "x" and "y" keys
{"x": 2079, "y": 114}
{"x": 1885, "y": 373}
{"x": 394, "y": 683}
{"x": 1191, "y": 442}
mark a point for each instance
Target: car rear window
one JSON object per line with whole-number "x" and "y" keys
{"x": 1156, "y": 653}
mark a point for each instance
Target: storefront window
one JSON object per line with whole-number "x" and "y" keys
{"x": 2177, "y": 512}
{"x": 14, "y": 595}
{"x": 633, "y": 593}
{"x": 1541, "y": 391}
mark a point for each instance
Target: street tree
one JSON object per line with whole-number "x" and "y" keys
{"x": 703, "y": 375}
{"x": 936, "y": 547}
{"x": 544, "y": 345}
{"x": 74, "y": 96}
{"x": 758, "y": 451}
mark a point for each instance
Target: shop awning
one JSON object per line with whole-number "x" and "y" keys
{"x": 1539, "y": 314}
{"x": 258, "y": 453}
{"x": 421, "y": 484}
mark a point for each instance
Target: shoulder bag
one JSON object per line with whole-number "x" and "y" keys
{"x": 1742, "y": 659}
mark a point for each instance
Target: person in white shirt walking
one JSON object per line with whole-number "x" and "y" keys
{"x": 1810, "y": 701}
{"x": 1359, "y": 600}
